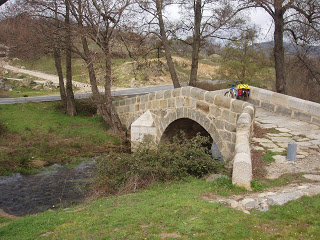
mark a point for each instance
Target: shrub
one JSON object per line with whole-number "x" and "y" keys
{"x": 180, "y": 159}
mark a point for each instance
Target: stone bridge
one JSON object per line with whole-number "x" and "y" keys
{"x": 157, "y": 116}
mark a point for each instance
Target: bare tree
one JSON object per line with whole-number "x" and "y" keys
{"x": 207, "y": 19}
{"x": 155, "y": 9}
{"x": 97, "y": 21}
{"x": 283, "y": 12}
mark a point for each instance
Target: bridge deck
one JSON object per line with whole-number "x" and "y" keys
{"x": 282, "y": 130}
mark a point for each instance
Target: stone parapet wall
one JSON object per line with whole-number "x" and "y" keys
{"x": 216, "y": 113}
{"x": 242, "y": 165}
{"x": 286, "y": 105}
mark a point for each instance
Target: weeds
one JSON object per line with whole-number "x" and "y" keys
{"x": 121, "y": 173}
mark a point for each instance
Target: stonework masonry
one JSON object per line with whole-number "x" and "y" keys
{"x": 154, "y": 112}
{"x": 297, "y": 108}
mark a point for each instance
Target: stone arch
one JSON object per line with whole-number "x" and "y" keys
{"x": 195, "y": 116}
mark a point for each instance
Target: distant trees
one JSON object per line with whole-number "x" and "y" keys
{"x": 284, "y": 12}
{"x": 242, "y": 58}
{"x": 208, "y": 19}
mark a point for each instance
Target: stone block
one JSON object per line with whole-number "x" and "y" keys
{"x": 265, "y": 95}
{"x": 122, "y": 102}
{"x": 128, "y": 101}
{"x": 268, "y": 106}
{"x": 215, "y": 111}
{"x": 296, "y": 103}
{"x": 163, "y": 104}
{"x": 159, "y": 95}
{"x": 193, "y": 103}
{"x": 179, "y": 112}
{"x": 136, "y": 107}
{"x": 230, "y": 127}
{"x": 204, "y": 107}
{"x": 149, "y": 105}
{"x": 167, "y": 94}
{"x": 242, "y": 170}
{"x": 222, "y": 101}
{"x": 185, "y": 91}
{"x": 237, "y": 106}
{"x": 209, "y": 97}
{"x": 144, "y": 98}
{"x": 151, "y": 96}
{"x": 254, "y": 93}
{"x": 201, "y": 94}
{"x": 312, "y": 108}
{"x": 138, "y": 99}
{"x": 194, "y": 93}
{"x": 225, "y": 135}
{"x": 132, "y": 107}
{"x": 171, "y": 102}
{"x": 250, "y": 110}
{"x": 242, "y": 148}
{"x": 219, "y": 123}
{"x": 280, "y": 99}
{"x": 179, "y": 102}
{"x": 142, "y": 106}
{"x": 244, "y": 123}
{"x": 115, "y": 103}
{"x": 302, "y": 116}
{"x": 229, "y": 116}
{"x": 255, "y": 102}
{"x": 176, "y": 92}
{"x": 156, "y": 104}
{"x": 284, "y": 111}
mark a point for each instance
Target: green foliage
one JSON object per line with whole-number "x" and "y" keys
{"x": 257, "y": 186}
{"x": 245, "y": 61}
{"x": 223, "y": 186}
{"x": 268, "y": 156}
{"x": 118, "y": 173}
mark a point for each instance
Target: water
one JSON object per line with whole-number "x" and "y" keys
{"x": 55, "y": 187}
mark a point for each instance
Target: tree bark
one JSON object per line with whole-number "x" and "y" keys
{"x": 196, "y": 43}
{"x": 58, "y": 65}
{"x": 103, "y": 102}
{"x": 166, "y": 46}
{"x": 278, "y": 47}
{"x": 71, "y": 106}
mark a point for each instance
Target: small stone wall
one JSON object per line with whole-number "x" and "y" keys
{"x": 216, "y": 113}
{"x": 286, "y": 105}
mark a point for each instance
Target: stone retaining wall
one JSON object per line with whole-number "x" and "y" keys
{"x": 217, "y": 114}
{"x": 286, "y": 105}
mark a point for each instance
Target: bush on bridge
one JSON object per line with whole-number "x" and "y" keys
{"x": 176, "y": 160}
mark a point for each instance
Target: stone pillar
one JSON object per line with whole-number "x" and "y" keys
{"x": 143, "y": 129}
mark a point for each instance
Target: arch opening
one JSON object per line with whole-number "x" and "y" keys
{"x": 191, "y": 128}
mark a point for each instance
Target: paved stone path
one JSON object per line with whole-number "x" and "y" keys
{"x": 282, "y": 131}
{"x": 306, "y": 135}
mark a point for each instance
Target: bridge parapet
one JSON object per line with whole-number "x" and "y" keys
{"x": 216, "y": 113}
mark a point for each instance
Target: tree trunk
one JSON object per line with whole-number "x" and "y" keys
{"x": 196, "y": 43}
{"x": 71, "y": 106}
{"x": 58, "y": 65}
{"x": 279, "y": 48}
{"x": 103, "y": 103}
{"x": 166, "y": 46}
{"x": 109, "y": 113}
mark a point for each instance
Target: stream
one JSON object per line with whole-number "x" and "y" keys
{"x": 54, "y": 187}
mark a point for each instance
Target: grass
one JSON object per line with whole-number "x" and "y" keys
{"x": 167, "y": 212}
{"x": 38, "y": 133}
{"x": 268, "y": 156}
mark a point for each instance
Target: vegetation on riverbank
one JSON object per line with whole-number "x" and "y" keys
{"x": 39, "y": 134}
